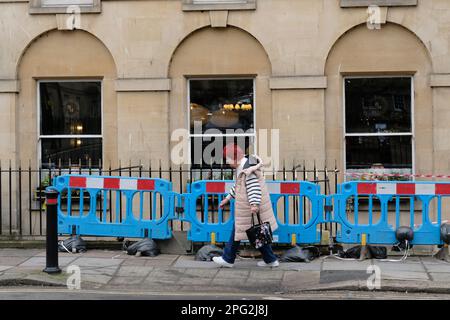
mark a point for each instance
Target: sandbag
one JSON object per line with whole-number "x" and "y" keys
{"x": 375, "y": 252}
{"x": 72, "y": 244}
{"x": 445, "y": 233}
{"x": 298, "y": 254}
{"x": 146, "y": 247}
{"x": 378, "y": 252}
{"x": 314, "y": 252}
{"x": 206, "y": 253}
{"x": 351, "y": 253}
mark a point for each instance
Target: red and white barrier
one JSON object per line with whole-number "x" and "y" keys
{"x": 404, "y": 188}
{"x": 283, "y": 188}
{"x": 140, "y": 184}
{"x": 273, "y": 187}
{"x": 218, "y": 187}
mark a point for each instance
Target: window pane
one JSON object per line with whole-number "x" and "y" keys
{"x": 387, "y": 152}
{"x": 70, "y": 108}
{"x": 221, "y": 104}
{"x": 378, "y": 105}
{"x": 209, "y": 150}
{"x": 73, "y": 149}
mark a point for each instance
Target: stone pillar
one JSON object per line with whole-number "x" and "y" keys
{"x": 8, "y": 107}
{"x": 441, "y": 131}
{"x": 299, "y": 114}
{"x": 143, "y": 120}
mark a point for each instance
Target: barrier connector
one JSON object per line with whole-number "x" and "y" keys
{"x": 364, "y": 254}
{"x": 213, "y": 238}
{"x": 293, "y": 239}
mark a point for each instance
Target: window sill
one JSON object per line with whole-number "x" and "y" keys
{"x": 37, "y": 8}
{"x": 381, "y": 3}
{"x": 189, "y": 6}
{"x": 59, "y": 10}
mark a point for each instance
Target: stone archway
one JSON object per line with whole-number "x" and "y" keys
{"x": 393, "y": 50}
{"x": 219, "y": 52}
{"x": 64, "y": 55}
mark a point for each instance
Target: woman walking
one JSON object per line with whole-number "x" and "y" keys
{"x": 251, "y": 197}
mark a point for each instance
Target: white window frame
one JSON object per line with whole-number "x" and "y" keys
{"x": 384, "y": 3}
{"x": 252, "y": 136}
{"x": 44, "y": 4}
{"x": 409, "y": 134}
{"x": 37, "y": 7}
{"x": 70, "y": 136}
{"x": 210, "y": 5}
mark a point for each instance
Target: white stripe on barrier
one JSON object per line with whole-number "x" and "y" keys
{"x": 128, "y": 184}
{"x": 426, "y": 189}
{"x": 273, "y": 188}
{"x": 386, "y": 188}
{"x": 96, "y": 183}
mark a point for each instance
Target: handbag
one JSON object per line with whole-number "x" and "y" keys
{"x": 259, "y": 234}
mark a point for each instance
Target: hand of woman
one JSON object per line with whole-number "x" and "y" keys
{"x": 253, "y": 168}
{"x": 254, "y": 209}
{"x": 223, "y": 203}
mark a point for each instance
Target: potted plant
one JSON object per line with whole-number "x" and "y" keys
{"x": 40, "y": 191}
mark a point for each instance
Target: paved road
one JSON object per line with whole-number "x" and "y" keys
{"x": 30, "y": 293}
{"x": 113, "y": 272}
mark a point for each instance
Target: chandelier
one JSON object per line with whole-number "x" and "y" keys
{"x": 237, "y": 106}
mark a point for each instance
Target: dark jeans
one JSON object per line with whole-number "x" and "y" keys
{"x": 231, "y": 248}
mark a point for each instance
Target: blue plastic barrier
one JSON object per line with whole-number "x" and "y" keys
{"x": 298, "y": 206}
{"x": 97, "y": 193}
{"x": 205, "y": 196}
{"x": 396, "y": 195}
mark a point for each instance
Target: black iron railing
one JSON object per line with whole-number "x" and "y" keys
{"x": 22, "y": 188}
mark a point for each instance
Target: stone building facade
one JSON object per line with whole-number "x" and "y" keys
{"x": 307, "y": 59}
{"x": 298, "y": 52}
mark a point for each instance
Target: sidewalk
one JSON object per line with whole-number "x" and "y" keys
{"x": 116, "y": 271}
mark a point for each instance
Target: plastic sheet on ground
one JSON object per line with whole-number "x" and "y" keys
{"x": 206, "y": 253}
{"x": 146, "y": 247}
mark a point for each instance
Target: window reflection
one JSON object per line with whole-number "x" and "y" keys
{"x": 387, "y": 151}
{"x": 221, "y": 104}
{"x": 70, "y": 108}
{"x": 378, "y": 105}
{"x": 378, "y": 124}
{"x": 71, "y": 151}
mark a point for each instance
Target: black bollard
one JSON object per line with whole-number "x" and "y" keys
{"x": 52, "y": 232}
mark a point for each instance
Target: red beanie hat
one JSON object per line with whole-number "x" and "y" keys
{"x": 233, "y": 151}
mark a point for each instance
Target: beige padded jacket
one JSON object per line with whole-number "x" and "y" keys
{"x": 243, "y": 215}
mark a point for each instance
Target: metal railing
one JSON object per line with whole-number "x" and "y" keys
{"x": 22, "y": 188}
